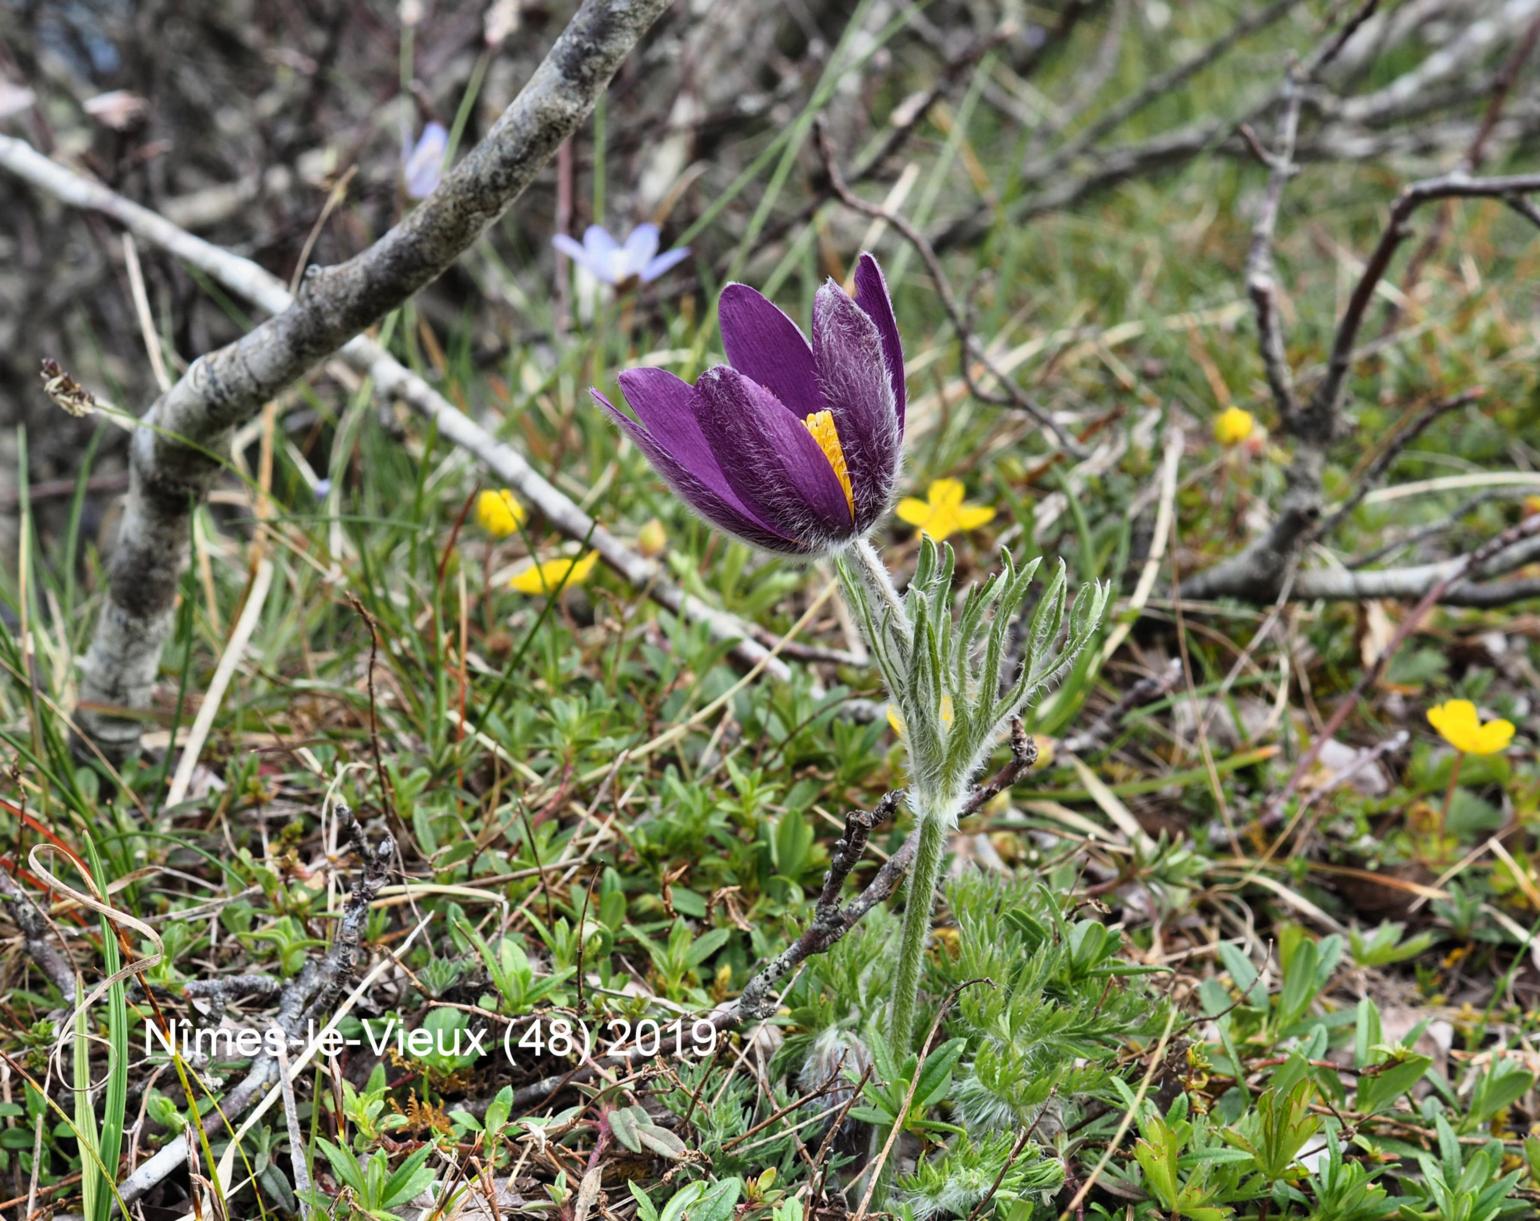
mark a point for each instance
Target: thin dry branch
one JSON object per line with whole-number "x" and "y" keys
{"x": 1261, "y": 275}
{"x": 1010, "y": 394}
{"x": 1156, "y": 88}
{"x": 391, "y": 378}
{"x": 1261, "y": 570}
{"x": 1397, "y": 444}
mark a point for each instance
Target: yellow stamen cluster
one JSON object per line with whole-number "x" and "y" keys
{"x": 821, "y": 425}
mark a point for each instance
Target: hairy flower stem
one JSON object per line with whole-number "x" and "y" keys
{"x": 934, "y": 821}
{"x": 877, "y": 577}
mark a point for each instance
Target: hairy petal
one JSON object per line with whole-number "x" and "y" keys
{"x": 847, "y": 349}
{"x": 872, "y": 297}
{"x": 763, "y": 343}
{"x": 771, "y": 460}
{"x": 671, "y": 439}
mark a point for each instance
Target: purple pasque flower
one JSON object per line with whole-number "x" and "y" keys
{"x": 619, "y": 263}
{"x": 422, "y": 165}
{"x": 793, "y": 447}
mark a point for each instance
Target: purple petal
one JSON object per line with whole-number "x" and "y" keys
{"x": 763, "y": 343}
{"x": 641, "y": 245}
{"x": 771, "y": 460}
{"x": 424, "y": 164}
{"x": 671, "y": 439}
{"x": 854, "y": 375}
{"x": 665, "y": 262}
{"x": 872, "y": 296}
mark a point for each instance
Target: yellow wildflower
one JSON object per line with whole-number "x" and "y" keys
{"x": 652, "y": 539}
{"x": 500, "y": 513}
{"x": 942, "y": 512}
{"x": 1233, "y": 425}
{"x": 550, "y": 575}
{"x": 1459, "y": 725}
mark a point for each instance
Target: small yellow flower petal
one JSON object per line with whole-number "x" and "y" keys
{"x": 1233, "y": 425}
{"x": 1493, "y": 737}
{"x": 500, "y": 513}
{"x": 895, "y": 722}
{"x": 1458, "y": 724}
{"x": 971, "y": 517}
{"x": 550, "y": 575}
{"x": 946, "y": 493}
{"x": 914, "y": 512}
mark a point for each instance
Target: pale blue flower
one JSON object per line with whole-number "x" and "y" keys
{"x": 618, "y": 263}
{"x": 423, "y": 165}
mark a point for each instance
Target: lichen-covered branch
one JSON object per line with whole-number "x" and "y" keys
{"x": 175, "y": 455}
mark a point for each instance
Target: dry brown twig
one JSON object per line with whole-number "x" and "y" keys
{"x": 1266, "y": 567}
{"x": 42, "y": 945}
{"x": 393, "y": 379}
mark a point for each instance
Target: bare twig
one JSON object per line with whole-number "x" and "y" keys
{"x": 1147, "y": 689}
{"x": 1256, "y": 573}
{"x": 851, "y": 847}
{"x": 1328, "y": 396}
{"x": 1261, "y": 278}
{"x": 1497, "y": 100}
{"x": 393, "y": 379}
{"x": 1158, "y": 87}
{"x": 38, "y": 936}
{"x": 1393, "y": 448}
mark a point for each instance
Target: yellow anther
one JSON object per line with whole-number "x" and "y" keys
{"x": 821, "y": 425}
